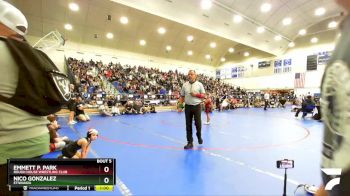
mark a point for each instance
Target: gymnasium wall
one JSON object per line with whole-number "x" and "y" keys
{"x": 265, "y": 78}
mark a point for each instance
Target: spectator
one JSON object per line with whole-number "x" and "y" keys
{"x": 71, "y": 106}
{"x": 307, "y": 106}
{"x": 335, "y": 111}
{"x": 266, "y": 99}
{"x": 217, "y": 103}
{"x": 224, "y": 105}
{"x": 22, "y": 134}
{"x": 282, "y": 101}
{"x": 138, "y": 107}
{"x": 180, "y": 107}
{"x": 80, "y": 111}
{"x": 56, "y": 141}
{"x": 129, "y": 108}
{"x": 104, "y": 110}
{"x": 152, "y": 109}
{"x": 115, "y": 109}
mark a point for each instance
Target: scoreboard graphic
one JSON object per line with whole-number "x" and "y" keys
{"x": 61, "y": 174}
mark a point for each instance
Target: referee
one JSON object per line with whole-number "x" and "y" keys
{"x": 192, "y": 92}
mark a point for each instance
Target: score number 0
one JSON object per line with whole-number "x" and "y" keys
{"x": 106, "y": 170}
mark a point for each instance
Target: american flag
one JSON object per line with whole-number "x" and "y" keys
{"x": 299, "y": 80}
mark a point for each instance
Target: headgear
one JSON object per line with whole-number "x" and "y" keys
{"x": 90, "y": 132}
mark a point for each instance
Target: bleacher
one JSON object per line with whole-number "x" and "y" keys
{"x": 124, "y": 82}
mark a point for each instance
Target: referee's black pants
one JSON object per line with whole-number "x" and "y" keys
{"x": 266, "y": 103}
{"x": 190, "y": 112}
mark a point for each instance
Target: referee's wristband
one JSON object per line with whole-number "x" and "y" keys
{"x": 201, "y": 96}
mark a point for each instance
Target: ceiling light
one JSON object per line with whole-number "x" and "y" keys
{"x": 278, "y": 37}
{"x": 320, "y": 11}
{"x": 161, "y": 30}
{"x": 189, "y": 53}
{"x": 237, "y": 18}
{"x": 222, "y": 59}
{"x": 332, "y": 24}
{"x": 168, "y": 48}
{"x": 302, "y": 32}
{"x": 124, "y": 20}
{"x": 260, "y": 29}
{"x": 74, "y": 7}
{"x": 212, "y": 44}
{"x": 142, "y": 42}
{"x": 287, "y": 21}
{"x": 246, "y": 54}
{"x": 68, "y": 26}
{"x": 206, "y": 4}
{"x": 314, "y": 40}
{"x": 207, "y": 56}
{"x": 189, "y": 38}
{"x": 231, "y": 50}
{"x": 109, "y": 35}
{"x": 291, "y": 44}
{"x": 265, "y": 7}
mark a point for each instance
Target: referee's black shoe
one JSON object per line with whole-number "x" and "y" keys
{"x": 188, "y": 146}
{"x": 200, "y": 140}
